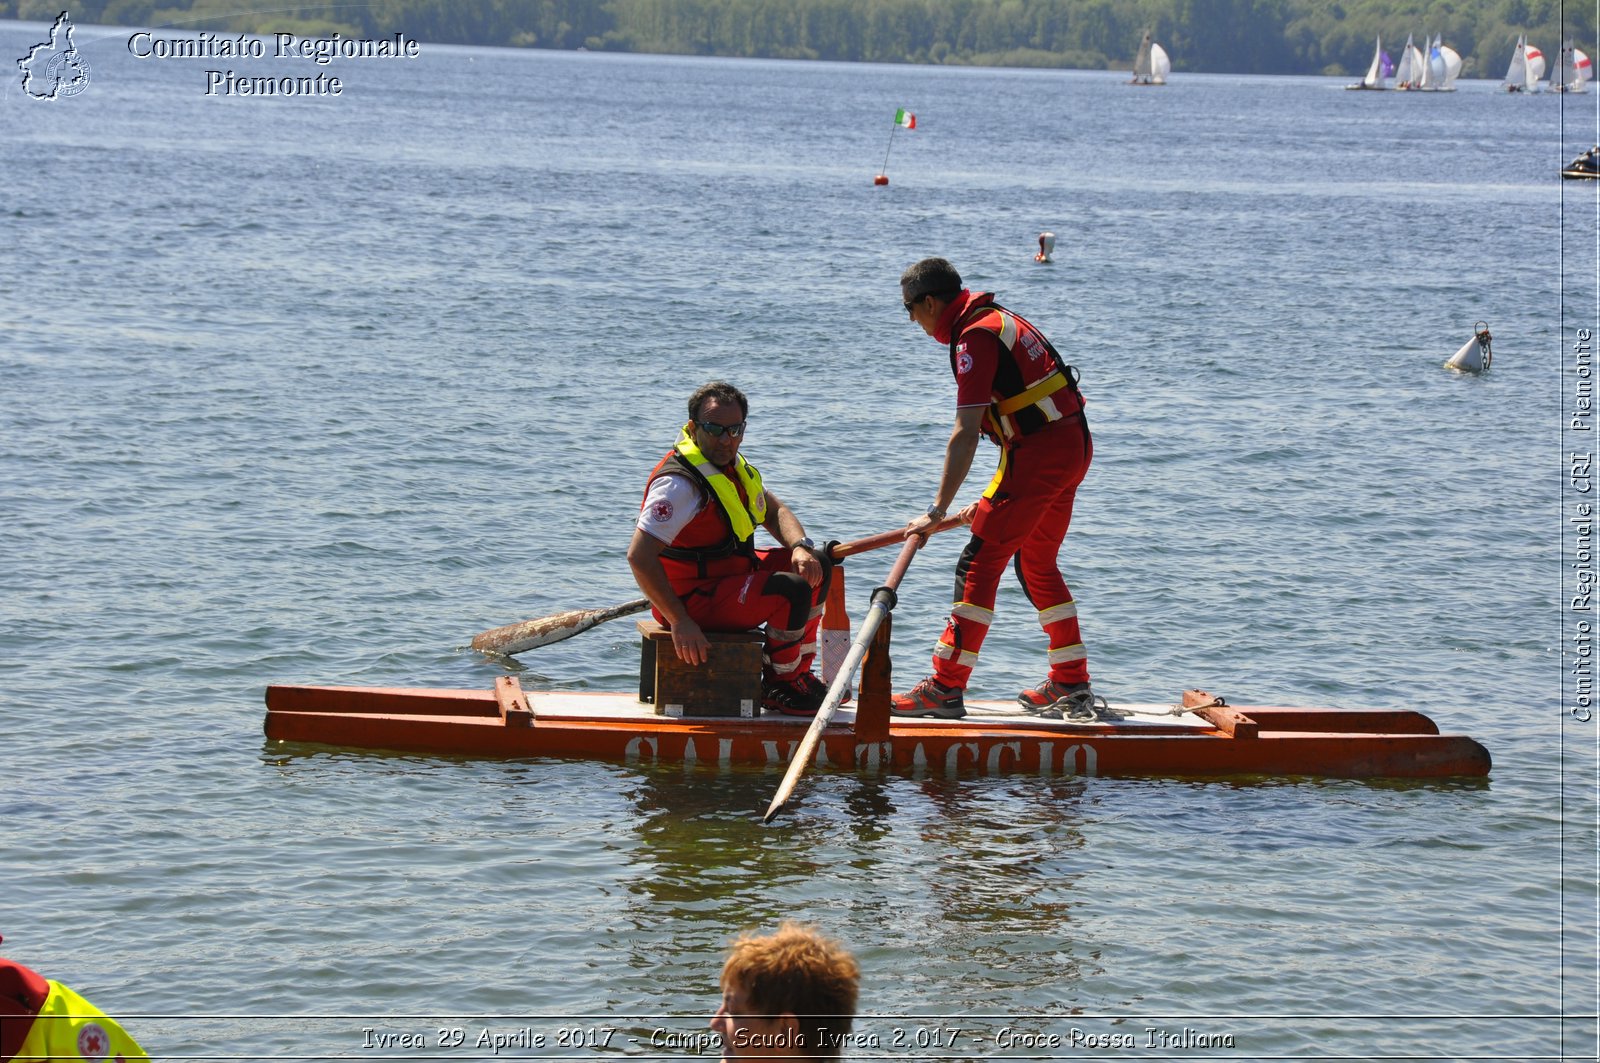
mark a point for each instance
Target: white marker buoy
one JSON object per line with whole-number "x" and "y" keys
{"x": 1047, "y": 244}
{"x": 1475, "y": 356}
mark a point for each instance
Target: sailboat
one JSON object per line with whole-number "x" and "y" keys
{"x": 1573, "y": 70}
{"x": 1409, "y": 74}
{"x": 1527, "y": 63}
{"x": 1439, "y": 68}
{"x": 1152, "y": 65}
{"x": 1378, "y": 73}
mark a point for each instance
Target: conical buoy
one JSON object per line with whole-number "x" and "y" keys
{"x": 1475, "y": 356}
{"x": 881, "y": 179}
{"x": 1047, "y": 244}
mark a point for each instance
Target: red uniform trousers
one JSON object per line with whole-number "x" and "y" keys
{"x": 1025, "y": 515}
{"x": 771, "y": 595}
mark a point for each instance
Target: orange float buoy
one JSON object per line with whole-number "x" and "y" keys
{"x": 881, "y": 179}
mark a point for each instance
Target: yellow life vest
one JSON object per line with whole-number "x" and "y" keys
{"x": 744, "y": 521}
{"x": 68, "y": 1027}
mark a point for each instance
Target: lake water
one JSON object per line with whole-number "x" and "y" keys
{"x": 312, "y": 390}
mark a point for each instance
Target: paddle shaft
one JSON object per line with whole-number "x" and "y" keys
{"x": 543, "y": 631}
{"x": 883, "y": 602}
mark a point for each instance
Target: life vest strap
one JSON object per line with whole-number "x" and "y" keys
{"x": 1046, "y": 387}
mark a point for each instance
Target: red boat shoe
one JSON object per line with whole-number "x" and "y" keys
{"x": 930, "y": 698}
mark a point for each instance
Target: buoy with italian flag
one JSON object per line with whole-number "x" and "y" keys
{"x": 902, "y": 117}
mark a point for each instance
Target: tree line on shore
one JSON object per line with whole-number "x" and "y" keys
{"x": 1221, "y": 36}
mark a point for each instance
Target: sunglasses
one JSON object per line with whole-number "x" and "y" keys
{"x": 717, "y": 431}
{"x": 912, "y": 305}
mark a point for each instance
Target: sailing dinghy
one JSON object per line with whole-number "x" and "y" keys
{"x": 1573, "y": 69}
{"x": 1378, "y": 73}
{"x": 1152, "y": 65}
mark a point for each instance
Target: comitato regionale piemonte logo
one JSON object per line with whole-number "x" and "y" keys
{"x": 55, "y": 68}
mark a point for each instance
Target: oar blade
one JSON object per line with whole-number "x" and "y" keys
{"x": 531, "y": 634}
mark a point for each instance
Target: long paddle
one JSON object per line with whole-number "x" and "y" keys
{"x": 531, "y": 634}
{"x": 883, "y": 602}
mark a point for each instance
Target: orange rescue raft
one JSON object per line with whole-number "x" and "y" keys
{"x": 1200, "y": 737}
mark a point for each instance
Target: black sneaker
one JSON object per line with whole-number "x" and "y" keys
{"x": 802, "y": 696}
{"x": 930, "y": 698}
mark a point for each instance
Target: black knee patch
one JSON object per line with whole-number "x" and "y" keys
{"x": 794, "y": 589}
{"x": 1016, "y": 566}
{"x": 969, "y": 554}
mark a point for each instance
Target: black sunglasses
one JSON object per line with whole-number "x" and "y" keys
{"x": 911, "y": 306}
{"x": 717, "y": 431}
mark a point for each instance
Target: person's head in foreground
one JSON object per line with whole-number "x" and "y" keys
{"x": 789, "y": 993}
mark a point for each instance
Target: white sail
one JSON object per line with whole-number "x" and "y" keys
{"x": 1573, "y": 69}
{"x": 1517, "y": 73}
{"x": 1409, "y": 73}
{"x": 1564, "y": 73}
{"x": 1433, "y": 67}
{"x": 1375, "y": 78}
{"x": 1535, "y": 66}
{"x": 1160, "y": 65}
{"x": 1452, "y": 67}
{"x": 1141, "y": 65}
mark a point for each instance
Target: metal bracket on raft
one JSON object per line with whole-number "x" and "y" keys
{"x": 514, "y": 708}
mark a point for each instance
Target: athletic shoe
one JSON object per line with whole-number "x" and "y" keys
{"x": 1046, "y": 694}
{"x": 1079, "y": 705}
{"x": 802, "y": 696}
{"x": 930, "y": 698}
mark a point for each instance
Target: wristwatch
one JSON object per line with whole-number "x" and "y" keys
{"x": 935, "y": 513}
{"x": 805, "y": 544}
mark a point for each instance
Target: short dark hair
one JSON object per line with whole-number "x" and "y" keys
{"x": 799, "y": 971}
{"x": 720, "y": 390}
{"x": 932, "y": 276}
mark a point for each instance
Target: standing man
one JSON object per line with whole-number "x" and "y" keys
{"x": 789, "y": 994}
{"x": 693, "y": 554}
{"x": 1013, "y": 387}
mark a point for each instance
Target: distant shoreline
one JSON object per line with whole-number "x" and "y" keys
{"x": 1295, "y": 37}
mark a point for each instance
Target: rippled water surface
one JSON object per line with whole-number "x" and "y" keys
{"x": 313, "y": 390}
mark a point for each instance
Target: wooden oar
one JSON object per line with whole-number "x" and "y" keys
{"x": 531, "y": 634}
{"x": 883, "y": 602}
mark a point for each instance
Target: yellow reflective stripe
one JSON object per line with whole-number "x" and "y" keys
{"x": 744, "y": 520}
{"x": 1075, "y": 652}
{"x": 1008, "y": 330}
{"x": 999, "y": 474}
{"x": 1048, "y": 386}
{"x": 1064, "y": 611}
{"x": 976, "y": 613}
{"x": 948, "y": 652}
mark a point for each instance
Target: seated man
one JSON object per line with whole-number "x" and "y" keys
{"x": 693, "y": 554}
{"x": 789, "y": 994}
